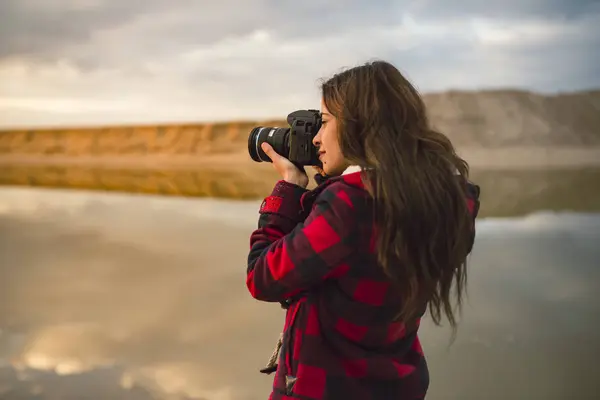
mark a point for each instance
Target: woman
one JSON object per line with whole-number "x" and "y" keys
{"x": 360, "y": 258}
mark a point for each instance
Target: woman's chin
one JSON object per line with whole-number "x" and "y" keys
{"x": 332, "y": 171}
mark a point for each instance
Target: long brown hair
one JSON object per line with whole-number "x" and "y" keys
{"x": 417, "y": 182}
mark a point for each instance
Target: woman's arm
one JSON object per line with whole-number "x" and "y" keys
{"x": 289, "y": 255}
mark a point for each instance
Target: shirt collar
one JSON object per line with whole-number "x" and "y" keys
{"x": 352, "y": 169}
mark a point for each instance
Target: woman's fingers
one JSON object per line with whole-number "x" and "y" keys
{"x": 280, "y": 163}
{"x": 266, "y": 147}
{"x": 285, "y": 167}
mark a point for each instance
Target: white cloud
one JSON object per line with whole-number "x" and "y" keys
{"x": 162, "y": 65}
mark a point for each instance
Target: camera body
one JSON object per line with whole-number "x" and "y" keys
{"x": 294, "y": 143}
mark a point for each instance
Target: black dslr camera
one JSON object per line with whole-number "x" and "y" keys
{"x": 294, "y": 143}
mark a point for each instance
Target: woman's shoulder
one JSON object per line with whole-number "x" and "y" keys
{"x": 340, "y": 193}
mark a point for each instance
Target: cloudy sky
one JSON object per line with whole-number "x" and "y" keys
{"x": 107, "y": 61}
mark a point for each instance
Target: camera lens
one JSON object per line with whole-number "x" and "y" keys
{"x": 278, "y": 138}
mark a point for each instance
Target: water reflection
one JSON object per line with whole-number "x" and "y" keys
{"x": 115, "y": 296}
{"x": 230, "y": 183}
{"x": 505, "y": 192}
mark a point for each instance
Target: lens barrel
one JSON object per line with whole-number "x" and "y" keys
{"x": 278, "y": 138}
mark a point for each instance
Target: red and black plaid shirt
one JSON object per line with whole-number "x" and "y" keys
{"x": 315, "y": 251}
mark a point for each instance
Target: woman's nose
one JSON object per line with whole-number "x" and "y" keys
{"x": 317, "y": 139}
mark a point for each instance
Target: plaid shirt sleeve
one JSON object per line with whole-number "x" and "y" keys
{"x": 290, "y": 251}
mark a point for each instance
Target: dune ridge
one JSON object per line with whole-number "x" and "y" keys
{"x": 484, "y": 119}
{"x": 499, "y": 131}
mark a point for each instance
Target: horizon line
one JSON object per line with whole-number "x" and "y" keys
{"x": 245, "y": 120}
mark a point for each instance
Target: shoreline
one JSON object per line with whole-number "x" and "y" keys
{"x": 478, "y": 158}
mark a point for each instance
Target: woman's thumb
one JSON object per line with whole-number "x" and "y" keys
{"x": 266, "y": 147}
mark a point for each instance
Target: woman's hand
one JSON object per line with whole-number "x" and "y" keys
{"x": 289, "y": 172}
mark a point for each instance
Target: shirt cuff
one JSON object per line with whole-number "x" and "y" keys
{"x": 285, "y": 200}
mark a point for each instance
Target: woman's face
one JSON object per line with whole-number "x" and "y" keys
{"x": 328, "y": 144}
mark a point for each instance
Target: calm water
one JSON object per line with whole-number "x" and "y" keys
{"x": 114, "y": 296}
{"x": 506, "y": 193}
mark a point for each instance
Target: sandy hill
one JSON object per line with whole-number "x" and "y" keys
{"x": 500, "y": 133}
{"x": 517, "y": 118}
{"x": 483, "y": 119}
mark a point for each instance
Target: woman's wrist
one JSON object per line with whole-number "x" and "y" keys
{"x": 301, "y": 181}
